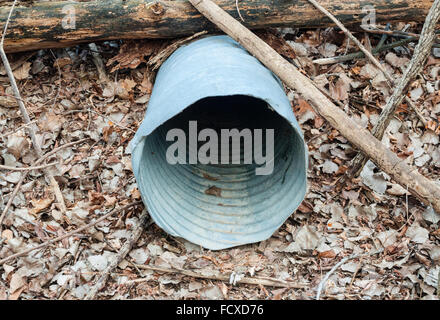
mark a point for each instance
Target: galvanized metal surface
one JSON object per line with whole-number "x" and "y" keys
{"x": 250, "y": 208}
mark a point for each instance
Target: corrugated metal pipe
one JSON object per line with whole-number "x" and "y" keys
{"x": 195, "y": 182}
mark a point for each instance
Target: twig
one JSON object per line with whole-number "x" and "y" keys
{"x": 332, "y": 270}
{"x": 321, "y": 285}
{"x": 421, "y": 187}
{"x": 368, "y": 54}
{"x": 368, "y": 42}
{"x": 238, "y": 10}
{"x": 36, "y": 225}
{"x": 383, "y": 38}
{"x": 416, "y": 109}
{"x": 69, "y": 256}
{"x": 59, "y": 78}
{"x": 23, "y": 176}
{"x": 394, "y": 33}
{"x": 156, "y": 61}
{"x": 27, "y": 168}
{"x": 255, "y": 281}
{"x": 416, "y": 64}
{"x": 352, "y": 37}
{"x": 126, "y": 248}
{"x": 388, "y": 77}
{"x": 17, "y": 129}
{"x": 25, "y": 115}
{"x": 98, "y": 62}
{"x": 69, "y": 234}
{"x": 360, "y": 54}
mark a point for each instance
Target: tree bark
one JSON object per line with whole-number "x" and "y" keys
{"x": 41, "y": 25}
{"x": 424, "y": 189}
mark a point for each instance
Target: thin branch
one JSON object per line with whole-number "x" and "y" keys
{"x": 360, "y": 54}
{"x": 25, "y": 115}
{"x": 415, "y": 66}
{"x": 270, "y": 282}
{"x": 383, "y": 38}
{"x": 156, "y": 61}
{"x": 353, "y": 38}
{"x": 323, "y": 282}
{"x": 24, "y": 175}
{"x": 69, "y": 234}
{"x": 136, "y": 232}
{"x": 423, "y": 188}
{"x": 17, "y": 129}
{"x": 238, "y": 10}
{"x": 98, "y": 63}
{"x": 390, "y": 80}
{"x": 394, "y": 33}
{"x": 36, "y": 225}
{"x": 27, "y": 168}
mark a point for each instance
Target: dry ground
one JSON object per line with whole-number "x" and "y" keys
{"x": 68, "y": 101}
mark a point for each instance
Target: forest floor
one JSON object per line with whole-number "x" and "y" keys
{"x": 69, "y": 100}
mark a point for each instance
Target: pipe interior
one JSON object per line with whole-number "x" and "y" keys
{"x": 223, "y": 201}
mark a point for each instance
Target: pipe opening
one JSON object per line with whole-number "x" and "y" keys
{"x": 226, "y": 202}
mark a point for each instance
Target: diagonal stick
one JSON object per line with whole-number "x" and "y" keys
{"x": 423, "y": 188}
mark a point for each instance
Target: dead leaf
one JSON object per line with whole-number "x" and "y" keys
{"x": 143, "y": 99}
{"x": 17, "y": 282}
{"x": 369, "y": 71}
{"x": 416, "y": 93}
{"x": 278, "y": 293}
{"x": 39, "y": 205}
{"x": 375, "y": 181}
{"x": 305, "y": 207}
{"x": 417, "y": 234}
{"x": 330, "y": 254}
{"x": 340, "y": 89}
{"x": 277, "y": 43}
{"x": 396, "y": 61}
{"x": 329, "y": 167}
{"x": 62, "y": 62}
{"x": 15, "y": 295}
{"x": 214, "y": 191}
{"x": 224, "y": 289}
{"x": 8, "y": 101}
{"x": 23, "y": 71}
{"x": 51, "y": 122}
{"x": 396, "y": 190}
{"x": 307, "y": 238}
{"x": 127, "y": 84}
{"x": 304, "y": 111}
{"x": 7, "y": 234}
{"x": 211, "y": 293}
{"x": 135, "y": 193}
{"x": 17, "y": 145}
{"x": 96, "y": 197}
{"x": 328, "y": 50}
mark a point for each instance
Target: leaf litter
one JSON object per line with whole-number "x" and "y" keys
{"x": 335, "y": 220}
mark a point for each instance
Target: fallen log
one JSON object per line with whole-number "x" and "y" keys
{"x": 421, "y": 187}
{"x": 62, "y": 24}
